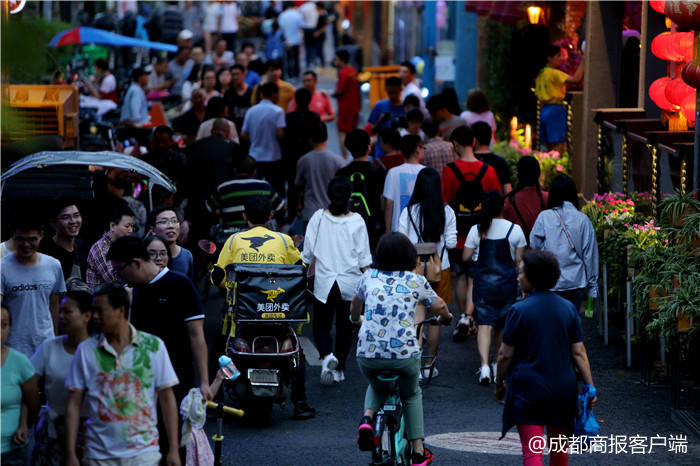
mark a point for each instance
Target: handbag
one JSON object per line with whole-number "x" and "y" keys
{"x": 571, "y": 243}
{"x": 429, "y": 262}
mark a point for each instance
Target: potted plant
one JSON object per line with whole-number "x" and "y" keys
{"x": 678, "y": 206}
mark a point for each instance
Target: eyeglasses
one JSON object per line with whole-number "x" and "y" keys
{"x": 25, "y": 239}
{"x": 156, "y": 254}
{"x": 168, "y": 221}
{"x": 120, "y": 268}
{"x": 67, "y": 218}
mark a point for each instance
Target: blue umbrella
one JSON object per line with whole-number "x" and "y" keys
{"x": 86, "y": 35}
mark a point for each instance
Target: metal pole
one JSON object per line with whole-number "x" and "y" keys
{"x": 605, "y": 303}
{"x": 628, "y": 323}
{"x": 430, "y": 44}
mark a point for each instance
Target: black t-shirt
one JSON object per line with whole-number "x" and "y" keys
{"x": 164, "y": 308}
{"x": 238, "y": 105}
{"x": 187, "y": 123}
{"x": 498, "y": 163}
{"x": 73, "y": 263}
{"x": 297, "y": 134}
{"x": 374, "y": 177}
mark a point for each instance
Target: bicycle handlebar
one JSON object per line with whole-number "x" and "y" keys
{"x": 226, "y": 409}
{"x": 430, "y": 321}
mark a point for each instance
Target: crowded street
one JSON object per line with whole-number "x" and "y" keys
{"x": 344, "y": 232}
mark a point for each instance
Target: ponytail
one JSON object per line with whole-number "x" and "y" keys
{"x": 492, "y": 207}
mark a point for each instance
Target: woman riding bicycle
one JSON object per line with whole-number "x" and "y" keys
{"x": 389, "y": 293}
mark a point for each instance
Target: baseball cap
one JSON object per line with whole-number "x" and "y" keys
{"x": 185, "y": 34}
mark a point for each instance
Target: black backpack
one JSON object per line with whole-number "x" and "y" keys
{"x": 359, "y": 196}
{"x": 468, "y": 199}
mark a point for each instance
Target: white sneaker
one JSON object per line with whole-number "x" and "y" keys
{"x": 483, "y": 375}
{"x": 338, "y": 376}
{"x": 425, "y": 373}
{"x": 494, "y": 371}
{"x": 330, "y": 362}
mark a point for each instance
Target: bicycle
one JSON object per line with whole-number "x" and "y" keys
{"x": 218, "y": 438}
{"x": 391, "y": 445}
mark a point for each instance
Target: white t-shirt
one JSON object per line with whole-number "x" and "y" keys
{"x": 340, "y": 246}
{"x": 412, "y": 88}
{"x": 52, "y": 362}
{"x": 206, "y": 126}
{"x": 498, "y": 230}
{"x": 398, "y": 187}
{"x": 486, "y": 117}
{"x": 109, "y": 84}
{"x": 291, "y": 21}
{"x": 229, "y": 17}
{"x": 212, "y": 13}
{"x": 448, "y": 240}
{"x": 27, "y": 293}
{"x": 310, "y": 13}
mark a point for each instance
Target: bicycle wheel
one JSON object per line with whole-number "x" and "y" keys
{"x": 381, "y": 453}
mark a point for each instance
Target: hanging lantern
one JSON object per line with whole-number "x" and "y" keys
{"x": 685, "y": 14}
{"x": 688, "y": 107}
{"x": 533, "y": 14}
{"x": 682, "y": 45}
{"x": 663, "y": 47}
{"x": 691, "y": 74}
{"x": 657, "y": 5}
{"x": 676, "y": 90}
{"x": 658, "y": 95}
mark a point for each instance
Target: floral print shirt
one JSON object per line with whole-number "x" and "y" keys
{"x": 121, "y": 390}
{"x": 391, "y": 299}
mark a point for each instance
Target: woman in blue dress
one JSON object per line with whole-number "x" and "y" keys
{"x": 541, "y": 343}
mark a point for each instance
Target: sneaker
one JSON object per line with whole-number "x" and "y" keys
{"x": 483, "y": 375}
{"x": 330, "y": 362}
{"x": 365, "y": 434}
{"x": 461, "y": 331}
{"x": 425, "y": 373}
{"x": 494, "y": 368}
{"x": 302, "y": 410}
{"x": 422, "y": 460}
{"x": 338, "y": 376}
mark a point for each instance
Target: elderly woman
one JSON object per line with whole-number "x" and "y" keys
{"x": 541, "y": 343}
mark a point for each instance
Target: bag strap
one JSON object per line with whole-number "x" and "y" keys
{"x": 482, "y": 172}
{"x": 410, "y": 218}
{"x": 510, "y": 229}
{"x": 458, "y": 173}
{"x": 520, "y": 216}
{"x": 571, "y": 243}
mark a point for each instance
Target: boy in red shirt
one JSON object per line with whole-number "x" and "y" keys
{"x": 347, "y": 91}
{"x": 470, "y": 169}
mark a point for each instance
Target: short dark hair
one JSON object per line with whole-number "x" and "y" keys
{"x": 157, "y": 210}
{"x": 395, "y": 252}
{"x": 118, "y": 211}
{"x": 409, "y": 144}
{"x": 541, "y": 269}
{"x": 343, "y": 55}
{"x": 137, "y": 73}
{"x": 391, "y": 136}
{"x": 435, "y": 103}
{"x": 312, "y": 73}
{"x": 411, "y": 99}
{"x": 477, "y": 102}
{"x": 183, "y": 48}
{"x": 245, "y": 164}
{"x": 247, "y": 44}
{"x": 128, "y": 248}
{"x": 268, "y": 89}
{"x": 59, "y": 204}
{"x": 238, "y": 66}
{"x": 562, "y": 188}
{"x": 318, "y": 133}
{"x": 552, "y": 50}
{"x": 215, "y": 106}
{"x": 302, "y": 97}
{"x": 27, "y": 219}
{"x": 462, "y": 135}
{"x": 9, "y": 314}
{"x": 101, "y": 63}
{"x": 258, "y": 209}
{"x": 482, "y": 132}
{"x": 393, "y": 81}
{"x": 410, "y": 66}
{"x": 116, "y": 296}
{"x": 274, "y": 65}
{"x": 161, "y": 59}
{"x": 82, "y": 297}
{"x": 339, "y": 190}
{"x": 430, "y": 127}
{"x": 415, "y": 115}
{"x": 163, "y": 130}
{"x": 357, "y": 141}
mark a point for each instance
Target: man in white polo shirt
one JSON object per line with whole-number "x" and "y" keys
{"x": 264, "y": 127}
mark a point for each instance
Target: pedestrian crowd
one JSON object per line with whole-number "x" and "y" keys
{"x": 102, "y": 320}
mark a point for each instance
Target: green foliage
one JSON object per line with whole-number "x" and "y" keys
{"x": 26, "y": 58}
{"x": 678, "y": 205}
{"x": 496, "y": 66}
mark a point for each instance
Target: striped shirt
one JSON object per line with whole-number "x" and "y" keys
{"x": 230, "y": 198}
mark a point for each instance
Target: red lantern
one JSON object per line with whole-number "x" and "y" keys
{"x": 657, "y": 5}
{"x": 685, "y": 14}
{"x": 683, "y": 45}
{"x": 691, "y": 74}
{"x": 664, "y": 47}
{"x": 688, "y": 107}
{"x": 676, "y": 90}
{"x": 658, "y": 95}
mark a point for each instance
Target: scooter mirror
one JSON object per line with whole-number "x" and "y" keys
{"x": 207, "y": 246}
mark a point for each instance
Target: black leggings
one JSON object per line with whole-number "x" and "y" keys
{"x": 323, "y": 321}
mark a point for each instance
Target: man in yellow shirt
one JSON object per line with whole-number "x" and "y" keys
{"x": 550, "y": 89}
{"x": 274, "y": 74}
{"x": 260, "y": 245}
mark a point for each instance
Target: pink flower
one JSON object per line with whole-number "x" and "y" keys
{"x": 559, "y": 168}
{"x": 625, "y": 209}
{"x": 555, "y": 155}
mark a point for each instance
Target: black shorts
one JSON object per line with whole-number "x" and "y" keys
{"x": 457, "y": 265}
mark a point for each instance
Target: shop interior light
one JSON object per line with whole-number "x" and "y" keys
{"x": 533, "y": 14}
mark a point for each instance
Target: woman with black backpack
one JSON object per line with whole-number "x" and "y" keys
{"x": 496, "y": 246}
{"x": 428, "y": 220}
